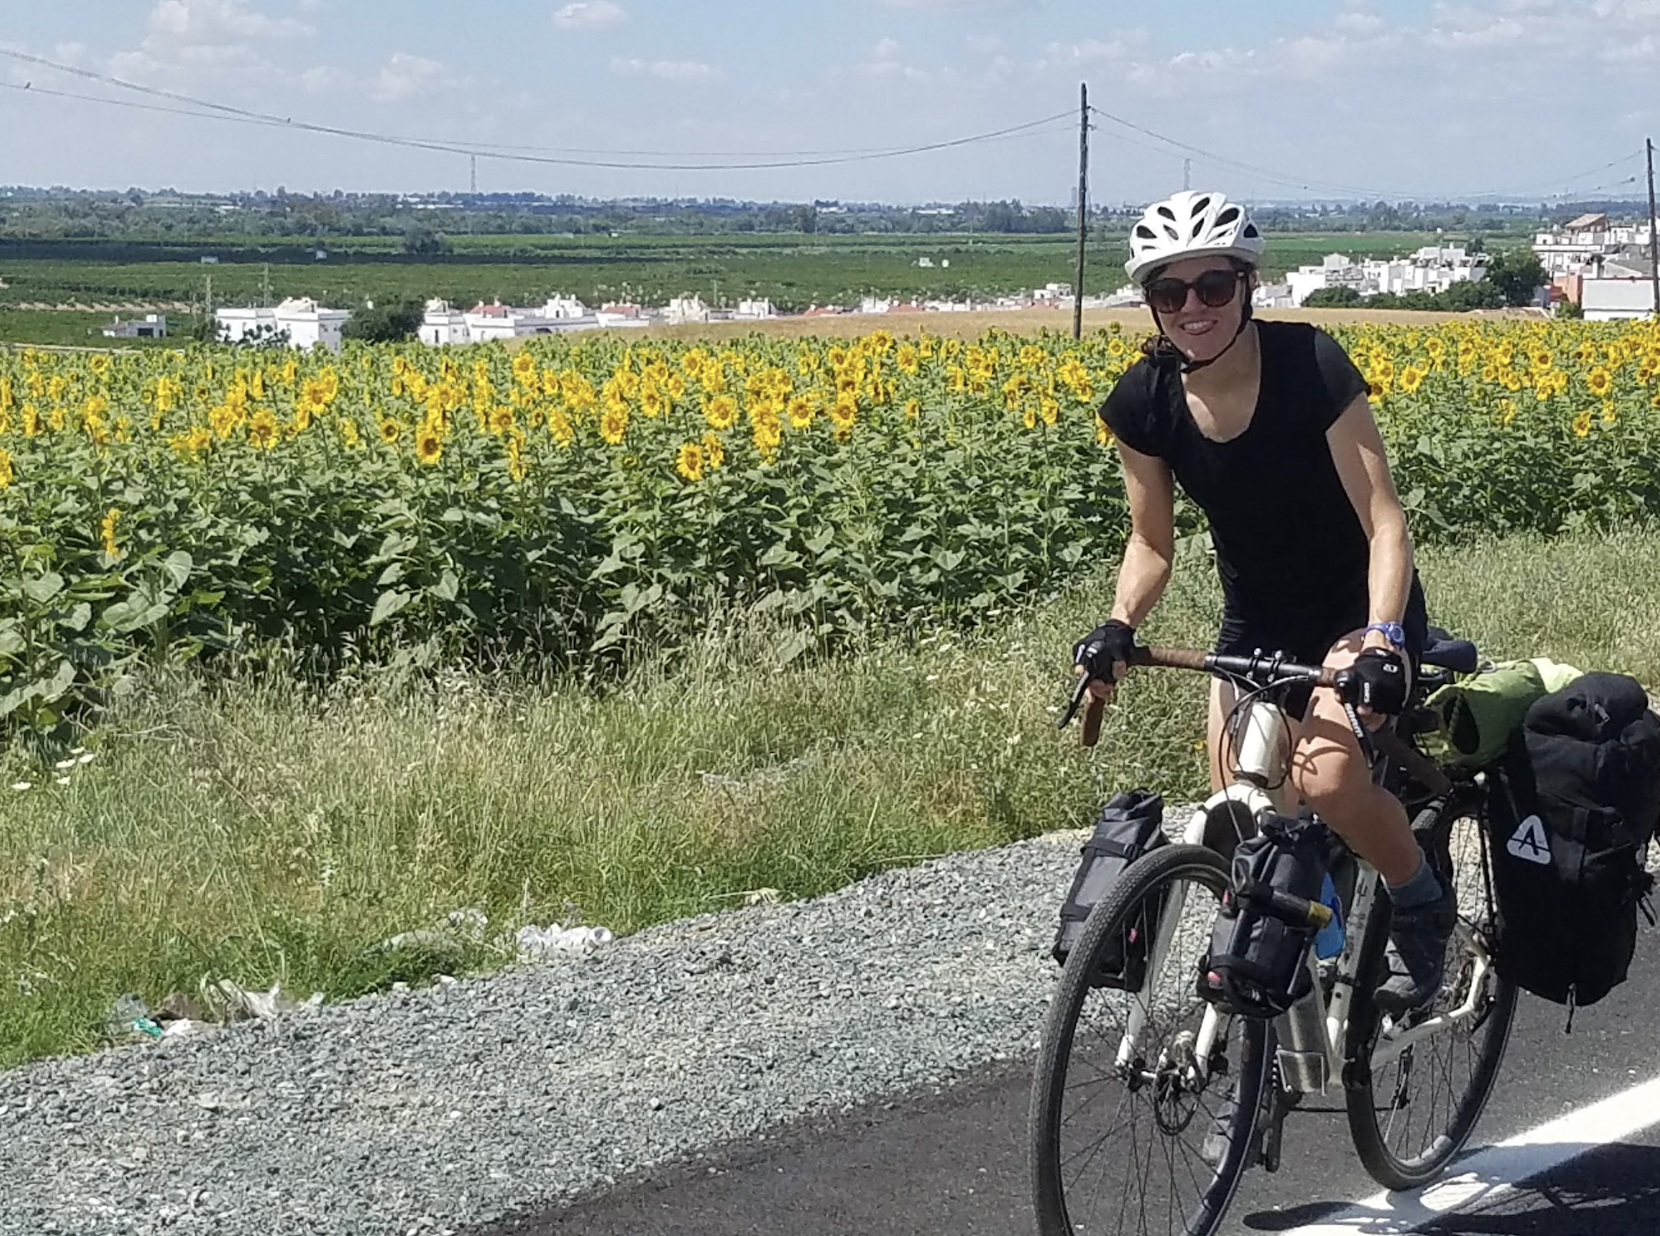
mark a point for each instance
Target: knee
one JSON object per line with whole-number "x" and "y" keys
{"x": 1329, "y": 779}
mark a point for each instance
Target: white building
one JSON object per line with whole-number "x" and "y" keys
{"x": 560, "y": 308}
{"x": 621, "y": 315}
{"x": 683, "y": 309}
{"x": 1615, "y": 299}
{"x": 499, "y": 321}
{"x": 1335, "y": 270}
{"x": 299, "y": 320}
{"x": 755, "y": 309}
{"x": 442, "y": 326}
{"x": 150, "y": 326}
{"x": 1434, "y": 268}
{"x": 1581, "y": 242}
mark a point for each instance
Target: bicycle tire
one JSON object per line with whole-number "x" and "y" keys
{"x": 1371, "y": 1122}
{"x": 1142, "y": 884}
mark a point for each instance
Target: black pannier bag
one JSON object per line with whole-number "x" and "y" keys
{"x": 1257, "y": 965}
{"x": 1130, "y": 825}
{"x": 1570, "y": 816}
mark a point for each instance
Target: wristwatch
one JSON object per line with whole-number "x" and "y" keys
{"x": 1392, "y": 631}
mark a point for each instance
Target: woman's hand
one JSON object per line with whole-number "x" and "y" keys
{"x": 1104, "y": 656}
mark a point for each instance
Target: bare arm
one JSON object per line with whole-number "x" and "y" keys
{"x": 1362, "y": 466}
{"x": 1152, "y": 545}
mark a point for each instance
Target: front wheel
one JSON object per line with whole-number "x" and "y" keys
{"x": 1130, "y": 1130}
{"x": 1415, "y": 1108}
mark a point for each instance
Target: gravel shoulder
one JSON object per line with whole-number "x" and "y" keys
{"x": 460, "y": 1104}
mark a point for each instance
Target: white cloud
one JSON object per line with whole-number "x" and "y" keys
{"x": 668, "y": 70}
{"x": 589, "y": 15}
{"x": 960, "y": 4}
{"x": 1093, "y": 51}
{"x": 406, "y": 75}
{"x": 984, "y": 44}
{"x": 217, "y": 23}
{"x": 887, "y": 49}
{"x": 326, "y": 79}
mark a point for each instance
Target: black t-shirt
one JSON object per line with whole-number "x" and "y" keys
{"x": 1290, "y": 549}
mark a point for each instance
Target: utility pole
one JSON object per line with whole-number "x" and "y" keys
{"x": 1653, "y": 249}
{"x": 1187, "y": 173}
{"x": 265, "y": 287}
{"x": 1083, "y": 209}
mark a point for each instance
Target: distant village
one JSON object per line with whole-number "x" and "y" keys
{"x": 1604, "y": 268}
{"x": 302, "y": 323}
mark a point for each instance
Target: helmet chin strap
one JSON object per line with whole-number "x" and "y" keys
{"x": 1189, "y": 366}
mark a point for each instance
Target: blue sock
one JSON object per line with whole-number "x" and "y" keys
{"x": 1423, "y": 888}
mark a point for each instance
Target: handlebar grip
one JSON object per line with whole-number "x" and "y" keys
{"x": 1297, "y": 909}
{"x": 1287, "y": 907}
{"x": 1092, "y": 722}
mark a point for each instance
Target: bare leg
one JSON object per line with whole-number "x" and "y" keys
{"x": 1331, "y": 776}
{"x": 1222, "y": 697}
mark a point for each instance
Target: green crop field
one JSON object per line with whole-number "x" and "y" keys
{"x": 794, "y": 271}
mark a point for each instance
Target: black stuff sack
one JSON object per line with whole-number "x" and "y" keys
{"x": 1570, "y": 817}
{"x": 1258, "y": 960}
{"x": 1130, "y": 825}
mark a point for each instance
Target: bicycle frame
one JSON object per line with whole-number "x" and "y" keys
{"x": 1312, "y": 1034}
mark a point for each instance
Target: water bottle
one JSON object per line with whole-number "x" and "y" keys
{"x": 1329, "y": 942}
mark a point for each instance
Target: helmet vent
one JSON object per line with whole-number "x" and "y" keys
{"x": 1202, "y": 205}
{"x": 1227, "y": 216}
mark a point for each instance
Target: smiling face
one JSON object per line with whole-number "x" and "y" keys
{"x": 1200, "y": 330}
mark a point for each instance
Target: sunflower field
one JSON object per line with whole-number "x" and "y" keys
{"x": 571, "y": 499}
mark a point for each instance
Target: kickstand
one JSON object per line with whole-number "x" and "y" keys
{"x": 1271, "y": 1120}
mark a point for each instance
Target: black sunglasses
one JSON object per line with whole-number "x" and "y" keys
{"x": 1215, "y": 289}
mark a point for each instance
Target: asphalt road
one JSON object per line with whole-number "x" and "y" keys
{"x": 953, "y": 1161}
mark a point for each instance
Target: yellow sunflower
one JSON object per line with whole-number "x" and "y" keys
{"x": 429, "y": 445}
{"x": 689, "y": 461}
{"x": 106, "y": 532}
{"x": 714, "y": 454}
{"x": 263, "y": 430}
{"x": 721, "y": 412}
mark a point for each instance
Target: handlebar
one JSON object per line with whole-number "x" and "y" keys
{"x": 1259, "y": 668}
{"x": 1263, "y": 669}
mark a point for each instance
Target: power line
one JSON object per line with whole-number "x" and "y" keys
{"x": 482, "y": 149}
{"x": 221, "y": 111}
{"x": 1283, "y": 178}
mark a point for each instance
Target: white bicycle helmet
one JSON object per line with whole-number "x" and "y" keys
{"x": 1192, "y": 224}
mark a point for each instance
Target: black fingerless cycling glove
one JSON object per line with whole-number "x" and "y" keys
{"x": 1110, "y": 643}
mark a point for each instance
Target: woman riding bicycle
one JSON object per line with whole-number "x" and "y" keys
{"x": 1267, "y": 427}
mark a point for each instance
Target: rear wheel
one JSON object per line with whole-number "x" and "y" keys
{"x": 1418, "y": 1107}
{"x": 1143, "y": 1137}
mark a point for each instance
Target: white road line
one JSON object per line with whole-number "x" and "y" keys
{"x": 1489, "y": 1173}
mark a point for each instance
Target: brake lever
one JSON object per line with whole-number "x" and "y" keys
{"x": 1077, "y": 698}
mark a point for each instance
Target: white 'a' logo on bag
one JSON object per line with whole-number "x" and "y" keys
{"x": 1530, "y": 843}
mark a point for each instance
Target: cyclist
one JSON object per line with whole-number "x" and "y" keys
{"x": 1267, "y": 427}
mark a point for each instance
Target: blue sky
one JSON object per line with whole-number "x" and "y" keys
{"x": 1295, "y": 99}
